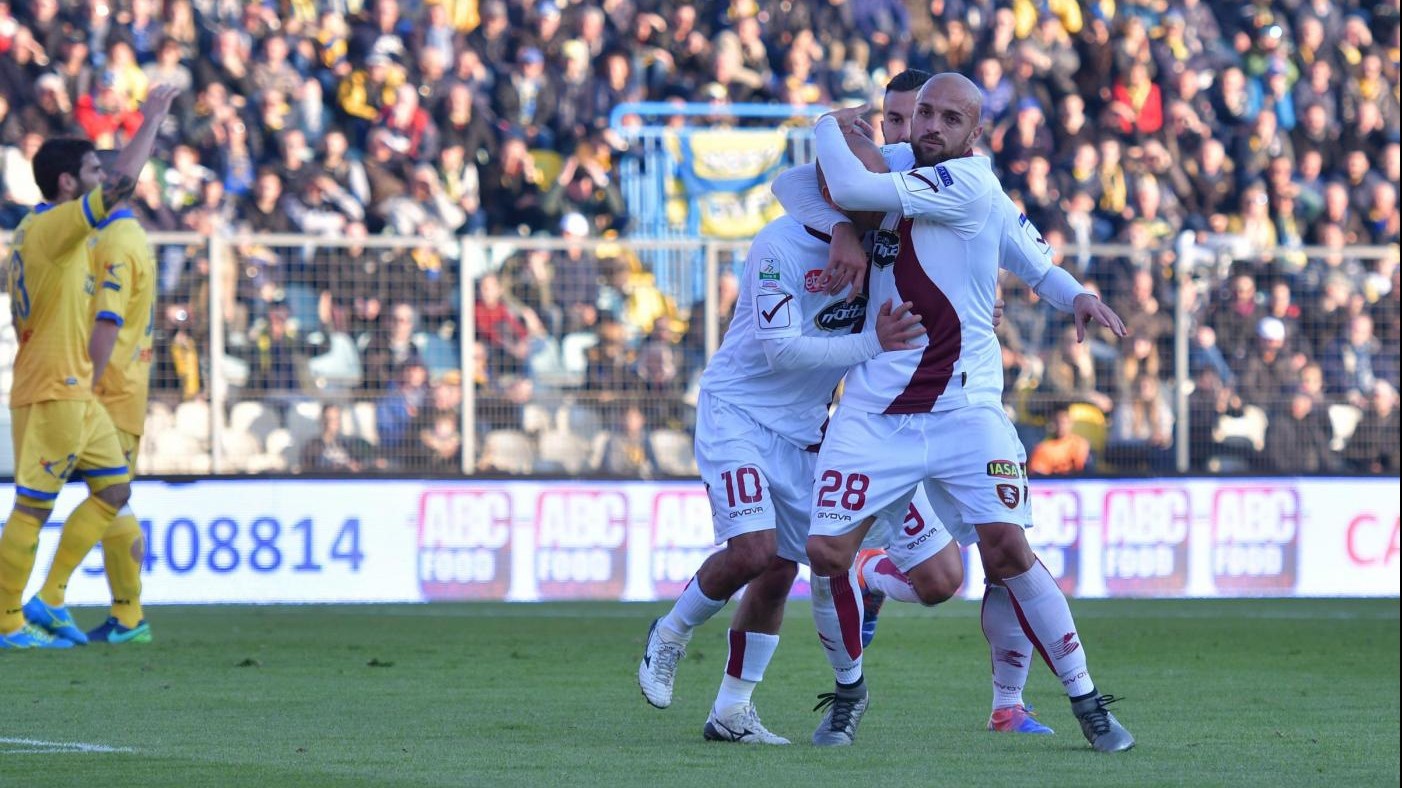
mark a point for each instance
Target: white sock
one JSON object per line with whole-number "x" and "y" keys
{"x": 837, "y": 612}
{"x": 881, "y": 574}
{"x": 750, "y": 653}
{"x": 1009, "y": 650}
{"x": 1045, "y": 616}
{"x": 692, "y": 609}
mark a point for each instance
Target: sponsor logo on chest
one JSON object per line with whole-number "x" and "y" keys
{"x": 840, "y": 315}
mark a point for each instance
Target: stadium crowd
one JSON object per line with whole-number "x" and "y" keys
{"x": 1263, "y": 128}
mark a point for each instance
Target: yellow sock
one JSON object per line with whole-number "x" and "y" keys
{"x": 18, "y": 543}
{"x": 84, "y": 529}
{"x": 122, "y": 551}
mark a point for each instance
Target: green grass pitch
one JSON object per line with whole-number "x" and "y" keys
{"x": 1270, "y": 692}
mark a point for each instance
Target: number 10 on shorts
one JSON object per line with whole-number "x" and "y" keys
{"x": 742, "y": 486}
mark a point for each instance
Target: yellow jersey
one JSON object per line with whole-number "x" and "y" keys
{"x": 51, "y": 290}
{"x": 125, "y": 269}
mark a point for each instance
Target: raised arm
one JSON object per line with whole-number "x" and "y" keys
{"x": 851, "y": 185}
{"x": 120, "y": 181}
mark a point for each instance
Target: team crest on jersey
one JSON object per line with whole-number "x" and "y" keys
{"x": 885, "y": 247}
{"x": 841, "y": 315}
{"x": 813, "y": 280}
{"x": 1010, "y": 495}
{"x": 1032, "y": 233}
{"x": 769, "y": 274}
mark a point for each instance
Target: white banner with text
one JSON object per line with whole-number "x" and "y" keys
{"x": 263, "y": 541}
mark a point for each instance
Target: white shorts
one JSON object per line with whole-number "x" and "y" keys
{"x": 756, "y": 480}
{"x": 914, "y": 538}
{"x": 970, "y": 460}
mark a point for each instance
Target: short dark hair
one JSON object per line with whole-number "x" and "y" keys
{"x": 56, "y": 157}
{"x": 908, "y": 80}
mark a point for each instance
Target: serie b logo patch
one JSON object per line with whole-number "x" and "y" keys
{"x": 1010, "y": 495}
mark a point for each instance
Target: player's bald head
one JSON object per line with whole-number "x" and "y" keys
{"x": 955, "y": 88}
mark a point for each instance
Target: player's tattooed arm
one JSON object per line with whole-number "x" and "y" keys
{"x": 117, "y": 186}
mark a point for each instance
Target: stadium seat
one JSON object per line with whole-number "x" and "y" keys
{"x": 304, "y": 420}
{"x": 1249, "y": 427}
{"x": 1343, "y": 419}
{"x": 302, "y": 306}
{"x": 574, "y": 349}
{"x": 581, "y": 420}
{"x": 159, "y": 417}
{"x": 1089, "y": 422}
{"x": 235, "y": 370}
{"x": 571, "y": 451}
{"x": 673, "y": 450}
{"x": 192, "y": 420}
{"x": 359, "y": 420}
{"x": 507, "y": 451}
{"x": 535, "y": 418}
{"x": 252, "y": 418}
{"x": 239, "y": 447}
{"x": 339, "y": 366}
{"x": 440, "y": 355}
{"x": 281, "y": 448}
{"x": 173, "y": 448}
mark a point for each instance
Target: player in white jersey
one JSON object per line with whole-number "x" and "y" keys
{"x": 942, "y": 403}
{"x": 760, "y": 417}
{"x": 903, "y": 572}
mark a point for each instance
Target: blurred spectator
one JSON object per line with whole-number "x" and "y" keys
{"x": 331, "y": 451}
{"x": 610, "y": 363}
{"x": 396, "y": 410}
{"x": 1351, "y": 363}
{"x": 1070, "y": 372}
{"x": 1236, "y": 320}
{"x": 277, "y": 350}
{"x": 627, "y": 451}
{"x": 1209, "y": 402}
{"x": 1297, "y": 441}
{"x": 585, "y": 189}
{"x": 392, "y": 349}
{"x": 1270, "y": 372}
{"x": 1373, "y": 448}
{"x": 1141, "y": 429}
{"x": 502, "y": 326}
{"x": 1062, "y": 452}
{"x": 438, "y": 428}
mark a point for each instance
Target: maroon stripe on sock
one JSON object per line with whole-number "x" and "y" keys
{"x": 888, "y": 567}
{"x": 849, "y": 614}
{"x": 983, "y": 625}
{"x": 1027, "y": 630}
{"x": 736, "y": 665}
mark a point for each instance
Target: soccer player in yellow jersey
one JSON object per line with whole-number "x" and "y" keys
{"x": 58, "y": 424}
{"x": 120, "y": 347}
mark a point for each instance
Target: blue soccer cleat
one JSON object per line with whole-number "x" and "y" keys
{"x": 111, "y": 631}
{"x": 30, "y": 636}
{"x": 57, "y": 621}
{"x": 872, "y": 600}
{"x": 1017, "y": 719}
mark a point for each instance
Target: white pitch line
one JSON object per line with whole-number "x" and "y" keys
{"x": 52, "y": 747}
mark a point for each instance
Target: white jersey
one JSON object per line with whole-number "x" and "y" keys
{"x": 943, "y": 256}
{"x": 780, "y": 298}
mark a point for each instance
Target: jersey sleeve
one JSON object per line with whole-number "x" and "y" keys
{"x": 775, "y": 286}
{"x": 1028, "y": 256}
{"x": 955, "y": 193}
{"x": 899, "y": 156}
{"x": 61, "y": 228}
{"x": 797, "y": 190}
{"x": 115, "y": 266}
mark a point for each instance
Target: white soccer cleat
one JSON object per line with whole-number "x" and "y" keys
{"x": 740, "y": 725}
{"x": 658, "y": 670}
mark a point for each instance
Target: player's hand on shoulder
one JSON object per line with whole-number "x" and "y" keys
{"x": 897, "y": 327}
{"x": 1089, "y": 308}
{"x": 847, "y": 262}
